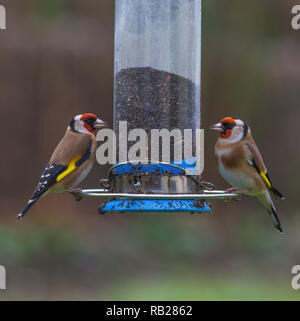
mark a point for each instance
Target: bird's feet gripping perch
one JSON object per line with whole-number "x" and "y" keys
{"x": 76, "y": 192}
{"x": 233, "y": 190}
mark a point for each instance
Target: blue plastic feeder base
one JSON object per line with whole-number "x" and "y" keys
{"x": 154, "y": 205}
{"x": 147, "y": 205}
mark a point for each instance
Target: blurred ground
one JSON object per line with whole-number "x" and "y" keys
{"x": 56, "y": 60}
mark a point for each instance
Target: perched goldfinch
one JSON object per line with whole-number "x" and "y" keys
{"x": 71, "y": 160}
{"x": 241, "y": 165}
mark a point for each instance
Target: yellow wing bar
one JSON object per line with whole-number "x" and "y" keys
{"x": 265, "y": 179}
{"x": 71, "y": 167}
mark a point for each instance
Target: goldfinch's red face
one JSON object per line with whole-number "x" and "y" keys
{"x": 231, "y": 129}
{"x": 86, "y": 123}
{"x": 228, "y": 124}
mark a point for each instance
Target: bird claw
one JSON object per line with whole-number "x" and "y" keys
{"x": 233, "y": 190}
{"x": 76, "y": 193}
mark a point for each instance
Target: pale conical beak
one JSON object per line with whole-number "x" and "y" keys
{"x": 100, "y": 124}
{"x": 218, "y": 127}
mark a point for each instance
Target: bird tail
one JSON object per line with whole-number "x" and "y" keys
{"x": 275, "y": 220}
{"x": 27, "y": 207}
{"x": 267, "y": 202}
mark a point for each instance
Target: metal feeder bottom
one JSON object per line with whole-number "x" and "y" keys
{"x": 132, "y": 187}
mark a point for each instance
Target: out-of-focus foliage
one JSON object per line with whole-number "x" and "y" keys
{"x": 56, "y": 60}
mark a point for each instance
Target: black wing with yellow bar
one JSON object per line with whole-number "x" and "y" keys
{"x": 266, "y": 178}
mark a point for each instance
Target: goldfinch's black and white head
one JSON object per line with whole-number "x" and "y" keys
{"x": 231, "y": 129}
{"x": 86, "y": 124}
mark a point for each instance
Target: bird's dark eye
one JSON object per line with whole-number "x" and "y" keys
{"x": 228, "y": 125}
{"x": 89, "y": 121}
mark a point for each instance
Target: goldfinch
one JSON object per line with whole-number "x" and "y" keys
{"x": 71, "y": 160}
{"x": 241, "y": 165}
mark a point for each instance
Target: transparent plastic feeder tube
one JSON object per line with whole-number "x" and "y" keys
{"x": 157, "y": 76}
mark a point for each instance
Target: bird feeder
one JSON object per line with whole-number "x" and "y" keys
{"x": 157, "y": 74}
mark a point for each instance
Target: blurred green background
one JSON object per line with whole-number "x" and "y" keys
{"x": 56, "y": 61}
